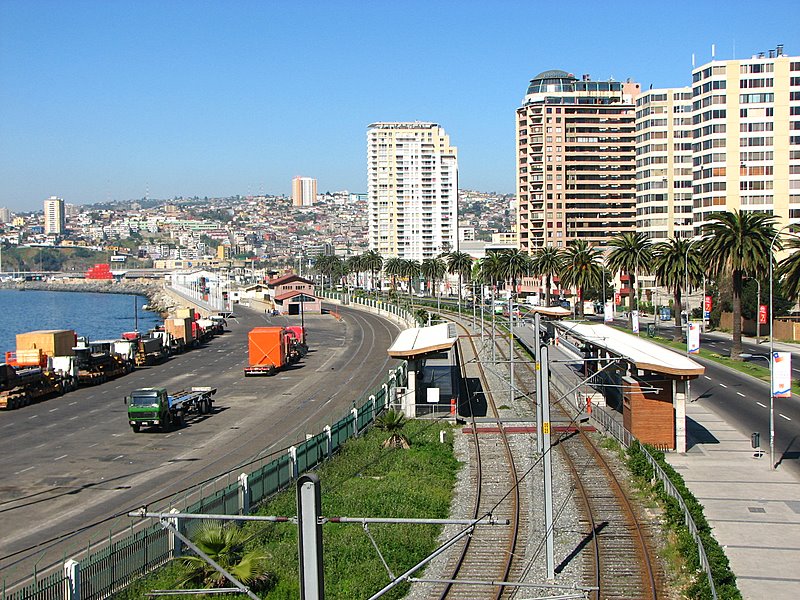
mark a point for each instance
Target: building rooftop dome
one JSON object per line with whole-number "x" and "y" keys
{"x": 553, "y": 80}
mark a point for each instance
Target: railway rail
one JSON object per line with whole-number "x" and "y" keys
{"x": 489, "y": 553}
{"x": 618, "y": 556}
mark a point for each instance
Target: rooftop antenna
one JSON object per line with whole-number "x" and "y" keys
{"x": 693, "y": 65}
{"x": 713, "y": 51}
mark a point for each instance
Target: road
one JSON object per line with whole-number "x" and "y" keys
{"x": 72, "y": 461}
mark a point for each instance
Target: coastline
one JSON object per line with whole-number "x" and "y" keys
{"x": 158, "y": 300}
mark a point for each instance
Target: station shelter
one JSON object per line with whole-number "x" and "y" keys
{"x": 647, "y": 382}
{"x": 434, "y": 370}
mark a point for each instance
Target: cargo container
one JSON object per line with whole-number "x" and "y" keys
{"x": 52, "y": 342}
{"x": 186, "y": 313}
{"x": 181, "y": 329}
{"x": 268, "y": 349}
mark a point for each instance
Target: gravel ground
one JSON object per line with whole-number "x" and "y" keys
{"x": 530, "y": 469}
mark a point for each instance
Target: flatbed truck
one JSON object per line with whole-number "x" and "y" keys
{"x": 154, "y": 407}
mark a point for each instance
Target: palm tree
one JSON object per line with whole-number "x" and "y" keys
{"x": 491, "y": 267}
{"x": 461, "y": 263}
{"x": 547, "y": 262}
{"x": 789, "y": 270}
{"x": 411, "y": 271}
{"x": 632, "y": 253}
{"x": 372, "y": 262}
{"x": 354, "y": 265}
{"x": 327, "y": 266}
{"x": 392, "y": 421}
{"x": 226, "y": 545}
{"x": 672, "y": 262}
{"x": 581, "y": 268}
{"x": 515, "y": 264}
{"x": 737, "y": 244}
{"x": 393, "y": 267}
{"x": 433, "y": 269}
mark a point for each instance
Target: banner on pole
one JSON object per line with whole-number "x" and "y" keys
{"x": 608, "y": 312}
{"x": 693, "y": 341}
{"x": 617, "y": 298}
{"x": 762, "y": 314}
{"x": 782, "y": 374}
{"x": 635, "y": 320}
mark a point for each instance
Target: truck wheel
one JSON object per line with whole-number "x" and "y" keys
{"x": 179, "y": 422}
{"x": 136, "y": 428}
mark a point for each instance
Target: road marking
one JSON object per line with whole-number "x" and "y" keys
{"x": 707, "y": 377}
{"x": 784, "y": 416}
{"x": 75, "y": 417}
{"x": 93, "y": 445}
{"x": 53, "y": 410}
{"x": 33, "y": 416}
{"x": 761, "y": 405}
{"x": 117, "y": 457}
{"x": 23, "y": 470}
{"x": 60, "y": 457}
{"x": 741, "y": 394}
{"x": 723, "y": 385}
{"x": 72, "y": 403}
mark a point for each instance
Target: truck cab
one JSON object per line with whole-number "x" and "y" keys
{"x": 148, "y": 406}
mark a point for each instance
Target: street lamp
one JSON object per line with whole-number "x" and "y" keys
{"x": 772, "y": 358}
{"x": 686, "y": 281}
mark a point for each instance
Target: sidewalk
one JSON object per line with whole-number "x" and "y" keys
{"x": 754, "y": 512}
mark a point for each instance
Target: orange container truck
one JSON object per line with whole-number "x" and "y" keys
{"x": 268, "y": 349}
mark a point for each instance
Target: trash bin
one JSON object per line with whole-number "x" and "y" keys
{"x": 651, "y": 330}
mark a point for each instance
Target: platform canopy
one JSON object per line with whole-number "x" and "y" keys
{"x": 414, "y": 342}
{"x": 640, "y": 352}
{"x": 556, "y": 312}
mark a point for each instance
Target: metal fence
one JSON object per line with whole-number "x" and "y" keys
{"x": 110, "y": 568}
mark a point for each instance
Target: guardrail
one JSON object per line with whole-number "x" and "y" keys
{"x": 109, "y": 567}
{"x": 605, "y": 420}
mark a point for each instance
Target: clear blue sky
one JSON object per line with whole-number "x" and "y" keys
{"x": 110, "y": 98}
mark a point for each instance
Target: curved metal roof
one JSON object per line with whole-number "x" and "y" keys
{"x": 553, "y": 74}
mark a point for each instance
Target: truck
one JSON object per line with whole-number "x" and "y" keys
{"x": 268, "y": 350}
{"x": 97, "y": 363}
{"x": 297, "y": 347}
{"x": 154, "y": 407}
{"x": 19, "y": 386}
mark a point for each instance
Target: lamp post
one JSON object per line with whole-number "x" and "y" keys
{"x": 772, "y": 358}
{"x": 686, "y": 282}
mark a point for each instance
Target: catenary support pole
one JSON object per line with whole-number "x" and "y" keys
{"x": 537, "y": 320}
{"x": 548, "y": 467}
{"x": 309, "y": 536}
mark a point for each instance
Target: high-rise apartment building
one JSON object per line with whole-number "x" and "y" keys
{"x": 664, "y": 163}
{"x": 575, "y": 160}
{"x": 746, "y": 144}
{"x": 54, "y": 216}
{"x": 5, "y": 215}
{"x": 412, "y": 186}
{"x": 304, "y": 191}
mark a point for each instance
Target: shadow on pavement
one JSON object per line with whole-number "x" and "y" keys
{"x": 697, "y": 434}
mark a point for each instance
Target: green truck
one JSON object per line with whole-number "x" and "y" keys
{"x": 154, "y": 407}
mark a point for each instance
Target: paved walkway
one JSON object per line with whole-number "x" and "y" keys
{"x": 754, "y": 512}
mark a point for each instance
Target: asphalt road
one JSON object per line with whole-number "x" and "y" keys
{"x": 73, "y": 461}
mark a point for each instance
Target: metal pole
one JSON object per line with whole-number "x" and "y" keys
{"x": 548, "y": 468}
{"x": 758, "y": 307}
{"x": 537, "y": 318}
{"x": 511, "y": 349}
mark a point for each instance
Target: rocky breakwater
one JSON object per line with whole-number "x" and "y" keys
{"x": 158, "y": 300}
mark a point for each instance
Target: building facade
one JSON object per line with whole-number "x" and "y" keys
{"x": 664, "y": 163}
{"x": 412, "y": 186}
{"x": 54, "y": 216}
{"x": 746, "y": 140}
{"x": 304, "y": 191}
{"x": 575, "y": 160}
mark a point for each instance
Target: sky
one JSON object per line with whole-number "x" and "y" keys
{"x": 117, "y": 100}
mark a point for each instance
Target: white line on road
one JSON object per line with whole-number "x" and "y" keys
{"x": 723, "y": 385}
{"x": 33, "y": 416}
{"x": 784, "y": 416}
{"x": 72, "y": 403}
{"x": 53, "y": 410}
{"x": 60, "y": 457}
{"x": 75, "y": 417}
{"x": 23, "y": 470}
{"x": 707, "y": 377}
{"x": 117, "y": 457}
{"x": 741, "y": 394}
{"x": 761, "y": 405}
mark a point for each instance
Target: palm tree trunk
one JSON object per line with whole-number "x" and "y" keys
{"x": 676, "y": 302}
{"x": 579, "y": 301}
{"x": 736, "y": 347}
{"x": 631, "y": 297}
{"x": 548, "y": 283}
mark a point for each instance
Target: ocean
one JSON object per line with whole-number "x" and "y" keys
{"x": 93, "y": 315}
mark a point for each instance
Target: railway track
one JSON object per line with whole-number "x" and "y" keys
{"x": 616, "y": 553}
{"x": 490, "y": 553}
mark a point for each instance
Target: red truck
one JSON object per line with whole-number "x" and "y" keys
{"x": 268, "y": 349}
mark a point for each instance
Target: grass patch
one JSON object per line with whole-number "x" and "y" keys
{"x": 364, "y": 480}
